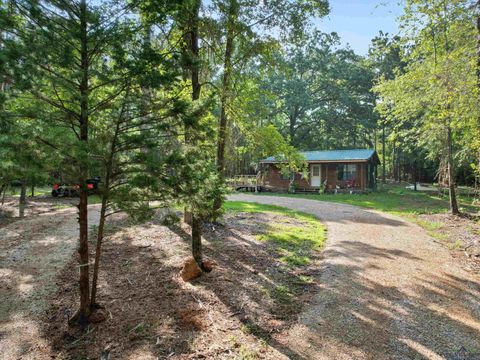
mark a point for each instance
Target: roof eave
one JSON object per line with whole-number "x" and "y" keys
{"x": 373, "y": 157}
{"x": 317, "y": 161}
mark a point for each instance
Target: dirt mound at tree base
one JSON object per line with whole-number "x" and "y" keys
{"x": 191, "y": 270}
{"x": 98, "y": 315}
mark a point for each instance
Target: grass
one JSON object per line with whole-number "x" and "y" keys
{"x": 394, "y": 199}
{"x": 94, "y": 199}
{"x": 457, "y": 245}
{"x": 295, "y": 242}
{"x": 46, "y": 190}
{"x": 429, "y": 225}
{"x": 41, "y": 190}
{"x": 398, "y": 200}
{"x": 61, "y": 206}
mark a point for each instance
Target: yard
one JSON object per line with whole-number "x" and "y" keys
{"x": 398, "y": 199}
{"x": 264, "y": 297}
{"x": 267, "y": 261}
{"x": 427, "y": 208}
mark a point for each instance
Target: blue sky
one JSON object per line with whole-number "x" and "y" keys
{"x": 357, "y": 22}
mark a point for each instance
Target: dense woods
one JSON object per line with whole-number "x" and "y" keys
{"x": 163, "y": 100}
{"x": 432, "y": 101}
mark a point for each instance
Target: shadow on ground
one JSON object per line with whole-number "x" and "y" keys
{"x": 253, "y": 305}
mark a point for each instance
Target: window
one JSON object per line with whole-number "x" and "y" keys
{"x": 346, "y": 171}
{"x": 286, "y": 176}
{"x": 316, "y": 170}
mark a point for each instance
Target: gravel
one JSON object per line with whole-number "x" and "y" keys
{"x": 387, "y": 291}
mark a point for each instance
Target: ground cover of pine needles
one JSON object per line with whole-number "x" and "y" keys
{"x": 267, "y": 267}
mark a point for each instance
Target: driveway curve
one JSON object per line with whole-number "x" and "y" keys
{"x": 386, "y": 291}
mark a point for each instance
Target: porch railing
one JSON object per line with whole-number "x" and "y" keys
{"x": 239, "y": 181}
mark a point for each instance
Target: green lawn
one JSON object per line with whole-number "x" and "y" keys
{"x": 41, "y": 190}
{"x": 295, "y": 242}
{"x": 393, "y": 199}
{"x": 94, "y": 199}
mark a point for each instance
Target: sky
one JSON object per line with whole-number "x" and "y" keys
{"x": 357, "y": 22}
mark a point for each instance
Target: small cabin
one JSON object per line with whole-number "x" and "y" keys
{"x": 334, "y": 170}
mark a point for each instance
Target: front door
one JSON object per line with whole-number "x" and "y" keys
{"x": 315, "y": 178}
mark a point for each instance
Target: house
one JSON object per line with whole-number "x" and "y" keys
{"x": 336, "y": 170}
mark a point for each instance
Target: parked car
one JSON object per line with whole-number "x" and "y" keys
{"x": 66, "y": 190}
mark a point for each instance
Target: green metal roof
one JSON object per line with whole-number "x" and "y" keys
{"x": 333, "y": 155}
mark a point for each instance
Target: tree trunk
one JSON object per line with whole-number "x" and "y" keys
{"x": 103, "y": 210}
{"x": 451, "y": 174}
{"x": 450, "y": 164}
{"x": 98, "y": 249}
{"x": 190, "y": 218}
{"x": 197, "y": 241}
{"x": 33, "y": 189}
{"x": 291, "y": 129}
{"x": 195, "y": 71}
{"x": 84, "y": 310}
{"x": 394, "y": 158}
{"x": 384, "y": 155}
{"x": 3, "y": 191}
{"x": 399, "y": 164}
{"x": 194, "y": 77}
{"x": 23, "y": 198}
{"x": 477, "y": 177}
{"x": 225, "y": 96}
{"x": 415, "y": 175}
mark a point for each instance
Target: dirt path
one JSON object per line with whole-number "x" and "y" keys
{"x": 387, "y": 291}
{"x": 32, "y": 251}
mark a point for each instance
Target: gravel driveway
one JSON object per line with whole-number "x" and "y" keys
{"x": 386, "y": 291}
{"x": 32, "y": 250}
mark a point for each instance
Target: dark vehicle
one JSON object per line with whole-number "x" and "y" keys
{"x": 62, "y": 190}
{"x": 65, "y": 190}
